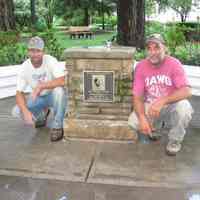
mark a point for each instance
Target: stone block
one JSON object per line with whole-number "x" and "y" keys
{"x": 101, "y": 113}
{"x": 98, "y": 129}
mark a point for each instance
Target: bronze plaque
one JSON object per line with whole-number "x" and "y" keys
{"x": 98, "y": 86}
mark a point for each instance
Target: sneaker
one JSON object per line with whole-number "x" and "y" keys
{"x": 56, "y": 134}
{"x": 155, "y": 136}
{"x": 42, "y": 123}
{"x": 173, "y": 147}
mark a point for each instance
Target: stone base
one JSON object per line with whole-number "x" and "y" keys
{"x": 98, "y": 129}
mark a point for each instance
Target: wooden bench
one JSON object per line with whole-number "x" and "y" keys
{"x": 80, "y": 32}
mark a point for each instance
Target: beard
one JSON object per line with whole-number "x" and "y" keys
{"x": 156, "y": 60}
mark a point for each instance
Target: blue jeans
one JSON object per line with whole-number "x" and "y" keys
{"x": 56, "y": 99}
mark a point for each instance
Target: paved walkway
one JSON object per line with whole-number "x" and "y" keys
{"x": 27, "y": 152}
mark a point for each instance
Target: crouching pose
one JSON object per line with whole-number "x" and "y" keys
{"x": 43, "y": 74}
{"x": 160, "y": 92}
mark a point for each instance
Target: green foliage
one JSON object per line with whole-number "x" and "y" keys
{"x": 188, "y": 25}
{"x": 150, "y": 7}
{"x": 174, "y": 37}
{"x": 11, "y": 51}
{"x": 12, "y": 54}
{"x": 9, "y": 38}
{"x": 139, "y": 55}
{"x": 154, "y": 27}
{"x": 190, "y": 55}
{"x": 22, "y": 13}
{"x": 110, "y": 22}
{"x": 73, "y": 18}
{"x": 40, "y": 25}
{"x": 47, "y": 12}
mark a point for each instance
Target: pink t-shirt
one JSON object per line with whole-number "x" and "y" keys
{"x": 154, "y": 82}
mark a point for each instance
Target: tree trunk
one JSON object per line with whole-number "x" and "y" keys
{"x": 102, "y": 14}
{"x": 7, "y": 19}
{"x": 86, "y": 17}
{"x": 33, "y": 15}
{"x": 131, "y": 21}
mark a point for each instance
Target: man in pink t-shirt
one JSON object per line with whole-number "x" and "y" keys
{"x": 160, "y": 92}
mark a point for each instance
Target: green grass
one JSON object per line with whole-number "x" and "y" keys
{"x": 97, "y": 40}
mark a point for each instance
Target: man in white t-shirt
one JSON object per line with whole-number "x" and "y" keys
{"x": 43, "y": 74}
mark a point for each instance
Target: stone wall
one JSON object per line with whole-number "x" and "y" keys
{"x": 99, "y": 120}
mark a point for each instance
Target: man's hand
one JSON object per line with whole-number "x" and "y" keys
{"x": 155, "y": 108}
{"x": 144, "y": 126}
{"x": 36, "y": 92}
{"x": 28, "y": 117}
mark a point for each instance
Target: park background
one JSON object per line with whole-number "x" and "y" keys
{"x": 125, "y": 23}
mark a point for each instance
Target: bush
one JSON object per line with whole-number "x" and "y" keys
{"x": 40, "y": 25}
{"x": 12, "y": 54}
{"x": 174, "y": 37}
{"x": 73, "y": 18}
{"x": 139, "y": 55}
{"x": 191, "y": 30}
{"x": 110, "y": 22}
{"x": 193, "y": 54}
{"x": 9, "y": 38}
{"x": 152, "y": 27}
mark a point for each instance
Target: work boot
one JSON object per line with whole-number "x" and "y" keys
{"x": 173, "y": 147}
{"x": 155, "y": 135}
{"x": 56, "y": 134}
{"x": 42, "y": 123}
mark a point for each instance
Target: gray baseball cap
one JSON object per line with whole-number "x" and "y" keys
{"x": 36, "y": 43}
{"x": 156, "y": 37}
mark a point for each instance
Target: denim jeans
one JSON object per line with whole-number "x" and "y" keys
{"x": 56, "y": 99}
{"x": 176, "y": 116}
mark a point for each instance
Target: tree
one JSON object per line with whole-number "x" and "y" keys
{"x": 85, "y": 9}
{"x": 131, "y": 20}
{"x": 150, "y": 7}
{"x": 182, "y": 7}
{"x": 33, "y": 12}
{"x": 22, "y": 13}
{"x": 106, "y": 7}
{"x": 7, "y": 19}
{"x": 48, "y": 12}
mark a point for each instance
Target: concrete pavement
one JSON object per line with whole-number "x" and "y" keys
{"x": 110, "y": 170}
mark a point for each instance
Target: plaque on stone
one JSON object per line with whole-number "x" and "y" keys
{"x": 98, "y": 86}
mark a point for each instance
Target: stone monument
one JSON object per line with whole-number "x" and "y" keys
{"x": 99, "y": 87}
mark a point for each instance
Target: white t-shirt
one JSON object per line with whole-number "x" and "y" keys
{"x": 29, "y": 76}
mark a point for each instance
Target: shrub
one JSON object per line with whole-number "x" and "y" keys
{"x": 40, "y": 25}
{"x": 9, "y": 38}
{"x": 174, "y": 37}
{"x": 154, "y": 27}
{"x": 12, "y": 54}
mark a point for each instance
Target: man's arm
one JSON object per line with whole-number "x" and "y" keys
{"x": 179, "y": 94}
{"x": 58, "y": 82}
{"x": 144, "y": 125}
{"x": 21, "y": 102}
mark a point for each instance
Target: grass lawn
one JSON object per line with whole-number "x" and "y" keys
{"x": 97, "y": 40}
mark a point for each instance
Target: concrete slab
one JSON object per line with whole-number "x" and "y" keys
{"x": 148, "y": 165}
{"x": 132, "y": 168}
{"x": 29, "y": 153}
{"x": 17, "y": 188}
